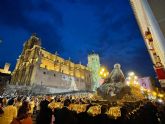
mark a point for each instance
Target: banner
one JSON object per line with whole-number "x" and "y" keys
{"x": 145, "y": 82}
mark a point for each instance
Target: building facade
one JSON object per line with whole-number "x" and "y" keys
{"x": 5, "y": 69}
{"x": 146, "y": 83}
{"x": 151, "y": 19}
{"x": 36, "y": 66}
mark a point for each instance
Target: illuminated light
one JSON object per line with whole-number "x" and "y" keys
{"x": 129, "y": 78}
{"x": 135, "y": 82}
{"x": 148, "y": 90}
{"x": 161, "y": 95}
{"x": 103, "y": 70}
{"x": 127, "y": 82}
{"x": 82, "y": 77}
{"x": 131, "y": 73}
{"x": 90, "y": 95}
{"x": 154, "y": 93}
{"x": 142, "y": 88}
{"x": 103, "y": 73}
{"x": 160, "y": 100}
{"x": 145, "y": 89}
{"x": 136, "y": 77}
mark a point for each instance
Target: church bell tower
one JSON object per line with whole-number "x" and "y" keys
{"x": 94, "y": 66}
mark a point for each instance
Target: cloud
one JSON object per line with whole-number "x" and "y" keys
{"x": 76, "y": 27}
{"x": 119, "y": 38}
{"x": 37, "y": 16}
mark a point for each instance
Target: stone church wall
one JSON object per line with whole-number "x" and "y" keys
{"x": 44, "y": 77}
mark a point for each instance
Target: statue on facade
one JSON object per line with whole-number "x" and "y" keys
{"x": 73, "y": 86}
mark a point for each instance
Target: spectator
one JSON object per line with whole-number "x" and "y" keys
{"x": 65, "y": 116}
{"x": 10, "y": 112}
{"x": 23, "y": 116}
{"x": 1, "y": 107}
{"x": 45, "y": 114}
{"x": 18, "y": 103}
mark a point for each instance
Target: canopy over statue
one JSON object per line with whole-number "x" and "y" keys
{"x": 116, "y": 76}
{"x": 114, "y": 87}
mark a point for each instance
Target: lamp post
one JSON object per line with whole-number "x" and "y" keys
{"x": 103, "y": 72}
{"x": 132, "y": 79}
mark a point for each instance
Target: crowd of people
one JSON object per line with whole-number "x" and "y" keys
{"x": 78, "y": 109}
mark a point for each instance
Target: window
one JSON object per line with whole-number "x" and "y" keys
{"x": 54, "y": 75}
{"x": 44, "y": 72}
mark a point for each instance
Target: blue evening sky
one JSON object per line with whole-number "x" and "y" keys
{"x": 75, "y": 28}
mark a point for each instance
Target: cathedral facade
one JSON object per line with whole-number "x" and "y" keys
{"x": 36, "y": 66}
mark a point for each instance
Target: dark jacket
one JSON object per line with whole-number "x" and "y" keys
{"x": 65, "y": 116}
{"x": 45, "y": 114}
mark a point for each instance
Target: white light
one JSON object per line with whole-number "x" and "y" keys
{"x": 127, "y": 82}
{"x": 160, "y": 95}
{"x": 141, "y": 88}
{"x": 103, "y": 70}
{"x": 131, "y": 73}
{"x": 135, "y": 82}
{"x": 160, "y": 100}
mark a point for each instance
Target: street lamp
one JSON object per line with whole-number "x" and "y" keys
{"x": 103, "y": 73}
{"x": 132, "y": 79}
{"x": 160, "y": 95}
{"x": 131, "y": 74}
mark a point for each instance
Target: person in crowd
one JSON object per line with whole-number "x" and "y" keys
{"x": 23, "y": 116}
{"x": 84, "y": 117}
{"x": 5, "y": 101}
{"x": 18, "y": 102}
{"x": 45, "y": 114}
{"x": 75, "y": 109}
{"x": 37, "y": 104}
{"x": 64, "y": 115}
{"x": 103, "y": 118}
{"x": 10, "y": 112}
{"x": 32, "y": 105}
{"x": 1, "y": 107}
